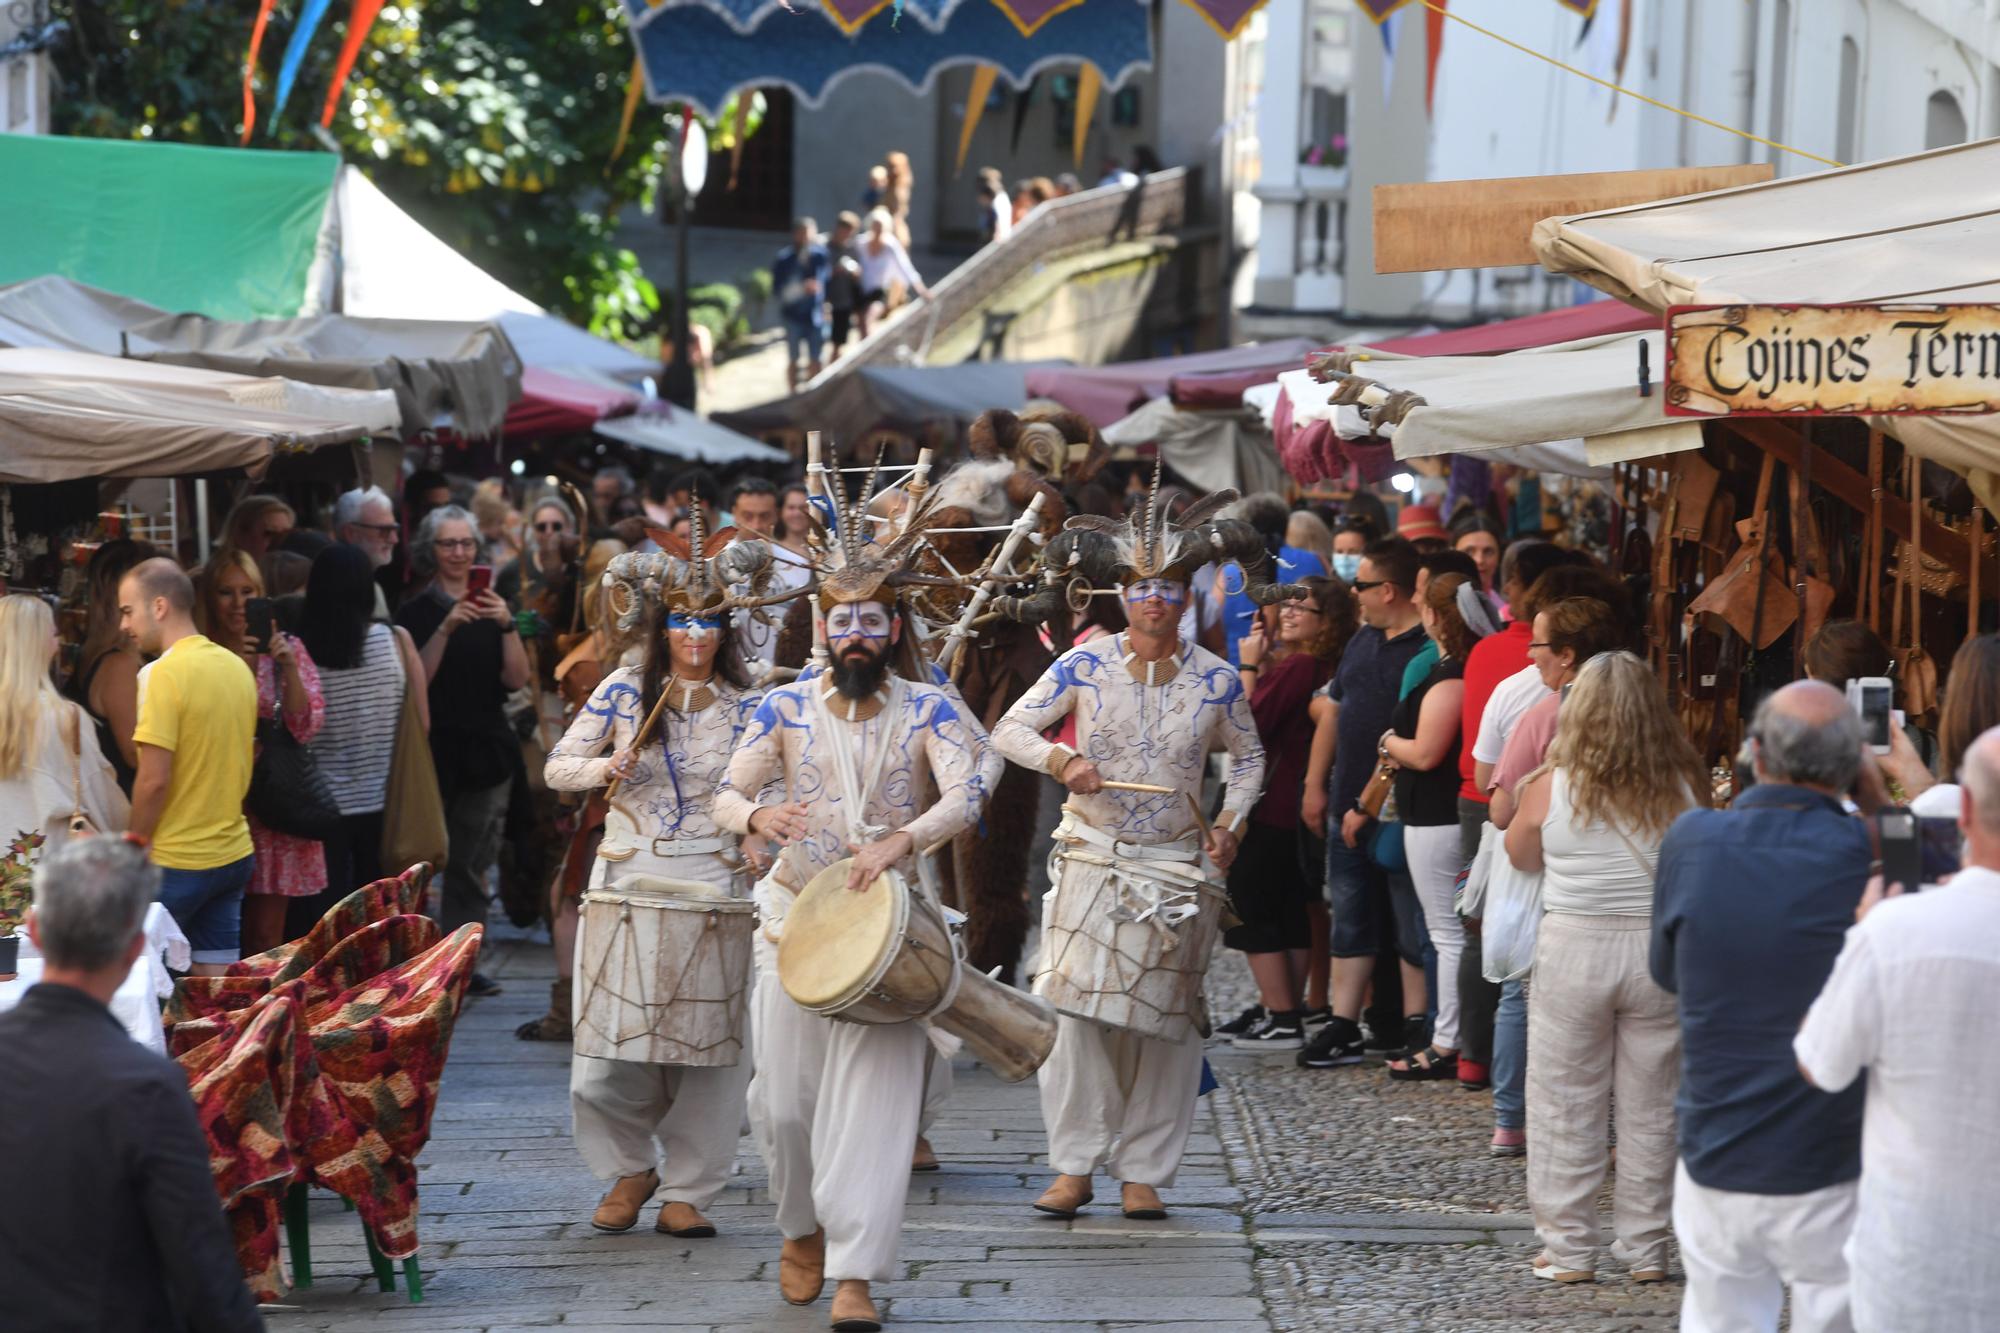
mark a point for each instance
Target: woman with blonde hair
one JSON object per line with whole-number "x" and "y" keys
{"x": 257, "y": 523}
{"x": 50, "y": 763}
{"x": 1591, "y": 820}
{"x": 1309, "y": 532}
{"x": 901, "y": 184}
{"x": 499, "y": 525}
{"x": 288, "y": 692}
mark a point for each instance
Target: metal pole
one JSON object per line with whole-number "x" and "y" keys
{"x": 680, "y": 379}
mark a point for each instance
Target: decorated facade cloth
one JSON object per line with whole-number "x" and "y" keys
{"x": 670, "y": 792}
{"x": 250, "y": 979}
{"x": 253, "y": 1090}
{"x": 1137, "y": 732}
{"x": 1227, "y": 17}
{"x": 700, "y": 54}
{"x": 379, "y": 1049}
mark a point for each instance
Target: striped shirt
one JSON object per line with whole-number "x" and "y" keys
{"x": 363, "y": 705}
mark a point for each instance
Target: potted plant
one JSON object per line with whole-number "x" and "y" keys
{"x": 17, "y": 895}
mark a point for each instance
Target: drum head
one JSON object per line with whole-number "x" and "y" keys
{"x": 834, "y": 940}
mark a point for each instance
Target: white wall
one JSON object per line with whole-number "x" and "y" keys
{"x": 24, "y": 80}
{"x": 835, "y": 143}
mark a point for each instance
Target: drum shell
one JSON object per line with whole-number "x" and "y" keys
{"x": 1011, "y": 1031}
{"x": 662, "y": 978}
{"x": 1143, "y": 976}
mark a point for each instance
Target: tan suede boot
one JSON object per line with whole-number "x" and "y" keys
{"x": 924, "y": 1158}
{"x": 682, "y": 1219}
{"x": 555, "y": 1024}
{"x": 853, "y": 1309}
{"x": 1142, "y": 1203}
{"x": 802, "y": 1268}
{"x": 619, "y": 1208}
{"x": 1065, "y": 1197}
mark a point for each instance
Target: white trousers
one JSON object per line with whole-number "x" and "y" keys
{"x": 621, "y": 1109}
{"x": 1113, "y": 1098}
{"x": 1434, "y": 866}
{"x": 939, "y": 1079}
{"x": 834, "y": 1108}
{"x": 1742, "y": 1250}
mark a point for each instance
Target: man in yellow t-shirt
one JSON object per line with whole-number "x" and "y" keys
{"x": 196, "y": 734}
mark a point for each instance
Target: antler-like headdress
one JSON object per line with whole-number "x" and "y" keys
{"x": 694, "y": 575}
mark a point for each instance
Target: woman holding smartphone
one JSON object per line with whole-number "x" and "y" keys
{"x": 473, "y": 659}
{"x": 232, "y": 611}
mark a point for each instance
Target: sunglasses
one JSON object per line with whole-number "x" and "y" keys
{"x": 378, "y": 527}
{"x": 550, "y": 527}
{"x": 1363, "y": 585}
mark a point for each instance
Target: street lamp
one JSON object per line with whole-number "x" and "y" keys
{"x": 690, "y": 174}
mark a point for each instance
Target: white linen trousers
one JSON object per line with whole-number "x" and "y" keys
{"x": 1742, "y": 1251}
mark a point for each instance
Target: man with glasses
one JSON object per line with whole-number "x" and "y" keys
{"x": 1364, "y": 692}
{"x": 365, "y": 519}
{"x": 1148, "y": 710}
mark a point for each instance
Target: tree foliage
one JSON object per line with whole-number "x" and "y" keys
{"x": 493, "y": 122}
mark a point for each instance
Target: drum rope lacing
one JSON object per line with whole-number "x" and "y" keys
{"x": 627, "y": 944}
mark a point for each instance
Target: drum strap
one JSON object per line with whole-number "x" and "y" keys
{"x": 1159, "y": 882}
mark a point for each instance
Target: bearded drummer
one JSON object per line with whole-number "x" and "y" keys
{"x": 664, "y": 731}
{"x": 834, "y": 766}
{"x": 1148, "y": 711}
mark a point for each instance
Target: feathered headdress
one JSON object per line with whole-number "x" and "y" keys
{"x": 694, "y": 575}
{"x": 853, "y": 567}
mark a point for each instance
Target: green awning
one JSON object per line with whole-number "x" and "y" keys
{"x": 226, "y": 232}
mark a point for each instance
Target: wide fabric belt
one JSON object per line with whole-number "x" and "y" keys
{"x": 1160, "y": 882}
{"x": 624, "y": 851}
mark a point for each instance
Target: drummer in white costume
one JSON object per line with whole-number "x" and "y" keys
{"x": 1148, "y": 711}
{"x": 662, "y": 1129}
{"x": 840, "y": 761}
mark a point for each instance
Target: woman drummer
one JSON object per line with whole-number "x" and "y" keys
{"x": 664, "y": 732}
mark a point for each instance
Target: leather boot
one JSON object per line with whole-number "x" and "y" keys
{"x": 1065, "y": 1197}
{"x": 555, "y": 1024}
{"x": 1142, "y": 1203}
{"x": 853, "y": 1309}
{"x": 682, "y": 1219}
{"x": 802, "y": 1268}
{"x": 619, "y": 1208}
{"x": 925, "y": 1157}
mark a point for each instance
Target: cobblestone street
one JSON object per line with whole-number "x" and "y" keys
{"x": 1309, "y": 1201}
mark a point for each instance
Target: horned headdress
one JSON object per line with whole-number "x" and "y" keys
{"x": 698, "y": 575}
{"x": 853, "y": 565}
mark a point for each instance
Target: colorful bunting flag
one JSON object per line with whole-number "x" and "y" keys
{"x": 310, "y": 15}
{"x": 1388, "y": 27}
{"x": 250, "y": 68}
{"x": 1227, "y": 17}
{"x": 1585, "y": 8}
{"x": 983, "y": 78}
{"x": 1029, "y": 15}
{"x": 1380, "y": 10}
{"x": 359, "y": 21}
{"x": 1089, "y": 83}
{"x": 1433, "y": 48}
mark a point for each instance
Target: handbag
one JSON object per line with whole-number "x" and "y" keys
{"x": 1511, "y": 915}
{"x": 413, "y": 810}
{"x": 288, "y": 793}
{"x": 1916, "y": 670}
{"x": 77, "y": 822}
{"x": 1385, "y": 847}
{"x": 1375, "y": 792}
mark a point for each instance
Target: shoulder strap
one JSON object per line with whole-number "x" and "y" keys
{"x": 73, "y": 738}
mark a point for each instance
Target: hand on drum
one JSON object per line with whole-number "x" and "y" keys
{"x": 1221, "y": 847}
{"x": 1081, "y": 776}
{"x": 876, "y": 857}
{"x": 783, "y": 824}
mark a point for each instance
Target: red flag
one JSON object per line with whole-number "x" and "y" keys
{"x": 250, "y": 68}
{"x": 358, "y": 24}
{"x": 1433, "y": 48}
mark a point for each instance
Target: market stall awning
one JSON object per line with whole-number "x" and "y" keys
{"x": 1213, "y": 450}
{"x": 679, "y": 433}
{"x": 900, "y": 398}
{"x": 68, "y": 415}
{"x": 1919, "y": 228}
{"x": 1570, "y": 323}
{"x": 552, "y": 404}
{"x": 1109, "y": 393}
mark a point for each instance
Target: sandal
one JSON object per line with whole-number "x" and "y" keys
{"x": 1425, "y": 1066}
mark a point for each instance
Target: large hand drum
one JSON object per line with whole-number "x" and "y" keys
{"x": 886, "y": 956}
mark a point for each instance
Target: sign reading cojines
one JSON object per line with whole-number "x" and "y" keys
{"x": 1832, "y": 360}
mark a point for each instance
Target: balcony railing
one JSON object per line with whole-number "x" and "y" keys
{"x": 1160, "y": 203}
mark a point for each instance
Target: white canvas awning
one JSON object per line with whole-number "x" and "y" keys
{"x": 1918, "y": 228}
{"x": 1213, "y": 450}
{"x": 66, "y": 415}
{"x": 681, "y": 434}
{"x": 1572, "y": 408}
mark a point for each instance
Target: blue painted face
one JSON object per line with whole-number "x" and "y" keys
{"x": 1164, "y": 590}
{"x": 679, "y": 621}
{"x": 866, "y": 622}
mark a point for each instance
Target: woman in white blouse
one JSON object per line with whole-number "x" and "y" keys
{"x": 50, "y": 763}
{"x": 1591, "y": 820}
{"x": 883, "y": 260}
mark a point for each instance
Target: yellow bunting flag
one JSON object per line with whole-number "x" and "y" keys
{"x": 975, "y": 107}
{"x": 744, "y": 99}
{"x": 633, "y": 89}
{"x": 1088, "y": 84}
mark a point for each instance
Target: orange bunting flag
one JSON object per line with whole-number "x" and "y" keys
{"x": 358, "y": 23}
{"x": 1433, "y": 48}
{"x": 250, "y": 68}
{"x": 1088, "y": 84}
{"x": 983, "y": 77}
{"x": 744, "y": 100}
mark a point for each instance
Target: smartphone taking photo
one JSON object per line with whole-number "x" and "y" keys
{"x": 1873, "y": 700}
{"x": 1901, "y": 848}
{"x": 478, "y": 581}
{"x": 260, "y": 622}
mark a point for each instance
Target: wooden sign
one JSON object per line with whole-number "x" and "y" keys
{"x": 1832, "y": 360}
{"x": 1427, "y": 225}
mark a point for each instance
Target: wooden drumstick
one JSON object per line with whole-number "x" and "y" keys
{"x": 1146, "y": 787}
{"x": 645, "y": 734}
{"x": 1201, "y": 821}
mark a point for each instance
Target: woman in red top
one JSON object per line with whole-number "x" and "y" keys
{"x": 1266, "y": 886}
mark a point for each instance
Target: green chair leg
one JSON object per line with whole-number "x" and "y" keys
{"x": 298, "y": 1233}
{"x": 385, "y": 1272}
{"x": 413, "y": 1280}
{"x": 346, "y": 1203}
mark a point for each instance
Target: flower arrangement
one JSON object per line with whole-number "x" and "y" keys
{"x": 17, "y": 880}
{"x": 1332, "y": 153}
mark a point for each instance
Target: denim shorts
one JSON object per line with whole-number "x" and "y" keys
{"x": 807, "y": 335}
{"x": 208, "y": 907}
{"x": 1367, "y": 918}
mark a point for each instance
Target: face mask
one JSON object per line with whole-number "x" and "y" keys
{"x": 1346, "y": 565}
